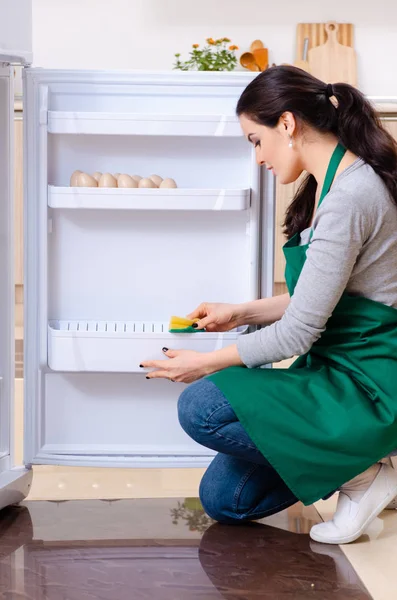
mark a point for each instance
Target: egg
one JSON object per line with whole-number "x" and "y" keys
{"x": 85, "y": 180}
{"x": 107, "y": 181}
{"x": 97, "y": 175}
{"x": 116, "y": 176}
{"x": 125, "y": 181}
{"x": 156, "y": 179}
{"x": 136, "y": 177}
{"x": 146, "y": 183}
{"x": 168, "y": 183}
{"x": 74, "y": 178}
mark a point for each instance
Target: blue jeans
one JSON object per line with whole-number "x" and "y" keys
{"x": 240, "y": 484}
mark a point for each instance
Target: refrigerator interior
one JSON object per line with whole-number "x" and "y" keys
{"x": 107, "y": 267}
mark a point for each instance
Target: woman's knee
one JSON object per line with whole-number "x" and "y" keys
{"x": 195, "y": 404}
{"x": 188, "y": 407}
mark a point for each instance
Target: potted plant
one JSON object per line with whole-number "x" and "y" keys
{"x": 216, "y": 55}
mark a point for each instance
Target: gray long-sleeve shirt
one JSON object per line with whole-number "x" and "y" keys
{"x": 353, "y": 248}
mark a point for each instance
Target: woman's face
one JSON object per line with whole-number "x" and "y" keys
{"x": 272, "y": 147}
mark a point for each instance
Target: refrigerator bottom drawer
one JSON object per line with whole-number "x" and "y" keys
{"x": 120, "y": 347}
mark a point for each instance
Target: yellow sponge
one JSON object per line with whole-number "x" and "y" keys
{"x": 182, "y": 325}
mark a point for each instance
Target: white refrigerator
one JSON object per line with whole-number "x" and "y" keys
{"x": 105, "y": 268}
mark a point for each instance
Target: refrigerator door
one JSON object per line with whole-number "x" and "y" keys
{"x": 14, "y": 482}
{"x": 105, "y": 267}
{"x": 16, "y": 32}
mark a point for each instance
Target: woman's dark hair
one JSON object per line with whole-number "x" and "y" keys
{"x": 354, "y": 122}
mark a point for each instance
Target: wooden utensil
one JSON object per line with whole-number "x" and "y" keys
{"x": 247, "y": 60}
{"x": 332, "y": 62}
{"x": 317, "y": 36}
{"x": 256, "y": 45}
{"x": 302, "y": 63}
{"x": 261, "y": 57}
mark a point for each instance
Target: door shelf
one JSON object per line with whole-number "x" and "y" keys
{"x": 148, "y": 199}
{"x": 120, "y": 347}
{"x": 112, "y": 123}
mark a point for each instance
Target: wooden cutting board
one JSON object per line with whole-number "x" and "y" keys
{"x": 333, "y": 62}
{"x": 317, "y": 35}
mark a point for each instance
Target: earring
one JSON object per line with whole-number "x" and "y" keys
{"x": 290, "y": 141}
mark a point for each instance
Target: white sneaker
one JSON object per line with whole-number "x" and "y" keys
{"x": 388, "y": 460}
{"x": 351, "y": 517}
{"x": 392, "y": 505}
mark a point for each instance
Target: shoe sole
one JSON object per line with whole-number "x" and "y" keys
{"x": 351, "y": 538}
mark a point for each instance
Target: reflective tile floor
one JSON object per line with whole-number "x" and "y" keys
{"x": 165, "y": 549}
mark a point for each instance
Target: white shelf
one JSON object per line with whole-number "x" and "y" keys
{"x": 120, "y": 347}
{"x": 148, "y": 199}
{"x": 108, "y": 123}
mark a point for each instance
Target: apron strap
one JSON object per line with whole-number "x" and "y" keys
{"x": 333, "y": 165}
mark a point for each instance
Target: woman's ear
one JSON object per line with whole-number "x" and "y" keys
{"x": 288, "y": 122}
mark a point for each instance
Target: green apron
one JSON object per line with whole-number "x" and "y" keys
{"x": 333, "y": 413}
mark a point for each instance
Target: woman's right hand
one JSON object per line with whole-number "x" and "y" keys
{"x": 216, "y": 316}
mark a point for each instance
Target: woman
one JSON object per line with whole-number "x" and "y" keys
{"x": 284, "y": 435}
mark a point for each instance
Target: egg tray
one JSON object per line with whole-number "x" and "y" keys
{"x": 120, "y": 180}
{"x": 148, "y": 199}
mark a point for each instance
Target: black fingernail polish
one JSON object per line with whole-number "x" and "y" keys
{"x": 141, "y": 366}
{"x": 165, "y": 349}
{"x": 147, "y": 377}
{"x": 195, "y": 325}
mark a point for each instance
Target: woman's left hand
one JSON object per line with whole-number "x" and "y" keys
{"x": 184, "y": 366}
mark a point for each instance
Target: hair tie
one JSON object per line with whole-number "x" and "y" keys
{"x": 329, "y": 90}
